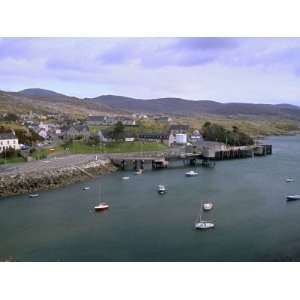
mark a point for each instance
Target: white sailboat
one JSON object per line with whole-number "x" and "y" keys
{"x": 102, "y": 205}
{"x": 289, "y": 180}
{"x": 191, "y": 173}
{"x": 161, "y": 189}
{"x": 201, "y": 224}
{"x": 139, "y": 171}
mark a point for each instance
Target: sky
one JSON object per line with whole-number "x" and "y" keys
{"x": 260, "y": 70}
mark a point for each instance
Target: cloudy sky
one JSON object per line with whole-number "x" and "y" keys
{"x": 262, "y": 70}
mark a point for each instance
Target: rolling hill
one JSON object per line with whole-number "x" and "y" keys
{"x": 43, "y": 101}
{"x": 177, "y": 106}
{"x": 47, "y": 101}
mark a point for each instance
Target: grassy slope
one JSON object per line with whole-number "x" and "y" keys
{"x": 79, "y": 147}
{"x": 256, "y": 127}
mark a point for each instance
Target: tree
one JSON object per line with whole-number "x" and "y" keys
{"x": 118, "y": 131}
{"x": 10, "y": 117}
{"x": 215, "y": 132}
{"x": 206, "y": 124}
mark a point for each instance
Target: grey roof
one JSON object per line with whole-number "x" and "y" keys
{"x": 179, "y": 127}
{"x": 96, "y": 118}
{"x": 7, "y": 136}
{"x": 81, "y": 127}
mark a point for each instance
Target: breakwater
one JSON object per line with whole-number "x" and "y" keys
{"x": 35, "y": 179}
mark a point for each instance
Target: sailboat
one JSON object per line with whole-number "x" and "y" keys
{"x": 139, "y": 171}
{"x": 102, "y": 205}
{"x": 201, "y": 224}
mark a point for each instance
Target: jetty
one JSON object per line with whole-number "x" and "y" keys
{"x": 205, "y": 156}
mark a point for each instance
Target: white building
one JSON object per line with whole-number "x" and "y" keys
{"x": 8, "y": 140}
{"x": 181, "y": 138}
{"x": 43, "y": 133}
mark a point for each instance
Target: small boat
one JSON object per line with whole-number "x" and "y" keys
{"x": 125, "y": 177}
{"x": 139, "y": 172}
{"x": 34, "y": 195}
{"x": 102, "y": 206}
{"x": 289, "y": 180}
{"x": 191, "y": 173}
{"x": 208, "y": 206}
{"x": 293, "y": 197}
{"x": 201, "y": 224}
{"x": 86, "y": 188}
{"x": 161, "y": 189}
{"x": 204, "y": 225}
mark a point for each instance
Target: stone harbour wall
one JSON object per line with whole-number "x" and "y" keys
{"x": 35, "y": 181}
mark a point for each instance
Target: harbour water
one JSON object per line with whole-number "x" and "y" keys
{"x": 253, "y": 220}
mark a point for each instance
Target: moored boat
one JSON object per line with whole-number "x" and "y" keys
{"x": 161, "y": 189}
{"x": 102, "y": 206}
{"x": 191, "y": 173}
{"x": 208, "y": 206}
{"x": 289, "y": 180}
{"x": 125, "y": 177}
{"x": 86, "y": 188}
{"x": 293, "y": 197}
{"x": 204, "y": 225}
{"x": 34, "y": 195}
{"x": 139, "y": 172}
{"x": 201, "y": 224}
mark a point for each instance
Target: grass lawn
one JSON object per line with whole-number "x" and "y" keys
{"x": 11, "y": 160}
{"x": 116, "y": 147}
{"x": 40, "y": 154}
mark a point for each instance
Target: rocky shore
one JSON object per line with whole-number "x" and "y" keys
{"x": 41, "y": 179}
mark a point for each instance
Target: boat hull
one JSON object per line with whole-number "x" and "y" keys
{"x": 100, "y": 208}
{"x": 293, "y": 198}
{"x": 34, "y": 195}
{"x": 161, "y": 192}
{"x": 204, "y": 226}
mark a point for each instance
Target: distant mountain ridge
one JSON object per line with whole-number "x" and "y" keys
{"x": 178, "y": 106}
{"x": 50, "y": 101}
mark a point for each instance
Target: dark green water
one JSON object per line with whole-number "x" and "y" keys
{"x": 253, "y": 220}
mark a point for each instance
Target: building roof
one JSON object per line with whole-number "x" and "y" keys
{"x": 97, "y": 118}
{"x": 179, "y": 127}
{"x": 154, "y": 135}
{"x": 79, "y": 127}
{"x": 7, "y": 136}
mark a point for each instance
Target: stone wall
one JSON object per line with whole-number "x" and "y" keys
{"x": 52, "y": 178}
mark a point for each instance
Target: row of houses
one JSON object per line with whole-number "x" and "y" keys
{"x": 126, "y": 121}
{"x": 110, "y": 120}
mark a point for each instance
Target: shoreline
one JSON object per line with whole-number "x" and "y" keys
{"x": 17, "y": 182}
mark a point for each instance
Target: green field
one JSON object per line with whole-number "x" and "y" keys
{"x": 115, "y": 147}
{"x": 11, "y": 160}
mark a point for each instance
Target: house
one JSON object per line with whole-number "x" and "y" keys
{"x": 127, "y": 121}
{"x": 8, "y": 140}
{"x": 163, "y": 119}
{"x": 101, "y": 120}
{"x": 179, "y": 128}
{"x": 76, "y": 132}
{"x": 43, "y": 133}
{"x": 196, "y": 137}
{"x": 154, "y": 137}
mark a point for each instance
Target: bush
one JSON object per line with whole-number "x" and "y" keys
{"x": 215, "y": 132}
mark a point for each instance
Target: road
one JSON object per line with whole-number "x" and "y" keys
{"x": 47, "y": 164}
